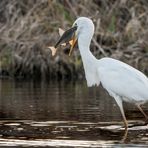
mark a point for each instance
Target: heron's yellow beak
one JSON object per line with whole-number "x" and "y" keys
{"x": 72, "y": 43}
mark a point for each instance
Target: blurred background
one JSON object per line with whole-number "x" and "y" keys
{"x": 27, "y": 28}
{"x": 38, "y": 91}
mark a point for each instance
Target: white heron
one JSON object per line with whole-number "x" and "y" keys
{"x": 123, "y": 82}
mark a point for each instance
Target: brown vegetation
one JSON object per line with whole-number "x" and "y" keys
{"x": 27, "y": 28}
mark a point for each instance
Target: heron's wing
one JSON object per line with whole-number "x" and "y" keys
{"x": 123, "y": 79}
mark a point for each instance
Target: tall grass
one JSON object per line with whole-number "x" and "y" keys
{"x": 27, "y": 28}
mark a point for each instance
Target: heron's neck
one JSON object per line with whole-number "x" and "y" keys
{"x": 89, "y": 63}
{"x": 87, "y": 56}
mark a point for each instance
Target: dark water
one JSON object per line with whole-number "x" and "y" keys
{"x": 55, "y": 101}
{"x": 64, "y": 114}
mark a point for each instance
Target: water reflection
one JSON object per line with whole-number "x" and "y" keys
{"x": 64, "y": 113}
{"x": 55, "y": 101}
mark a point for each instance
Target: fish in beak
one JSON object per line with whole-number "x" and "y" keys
{"x": 68, "y": 36}
{"x": 72, "y": 42}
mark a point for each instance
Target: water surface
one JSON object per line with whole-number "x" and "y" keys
{"x": 62, "y": 114}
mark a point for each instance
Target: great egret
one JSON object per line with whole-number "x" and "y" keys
{"x": 123, "y": 82}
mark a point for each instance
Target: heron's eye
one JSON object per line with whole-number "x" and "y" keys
{"x": 75, "y": 24}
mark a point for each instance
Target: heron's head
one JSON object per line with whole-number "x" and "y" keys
{"x": 83, "y": 27}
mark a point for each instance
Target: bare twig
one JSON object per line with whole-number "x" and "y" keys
{"x": 99, "y": 47}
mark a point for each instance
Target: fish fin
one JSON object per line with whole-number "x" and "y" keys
{"x": 61, "y": 31}
{"x": 63, "y": 44}
{"x": 53, "y": 50}
{"x": 71, "y": 42}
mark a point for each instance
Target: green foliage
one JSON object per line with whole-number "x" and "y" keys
{"x": 112, "y": 26}
{"x": 62, "y": 10}
{"x": 6, "y": 59}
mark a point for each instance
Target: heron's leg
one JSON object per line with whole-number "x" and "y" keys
{"x": 123, "y": 114}
{"x": 139, "y": 107}
{"x": 119, "y": 102}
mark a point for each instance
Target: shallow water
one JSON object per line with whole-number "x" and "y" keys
{"x": 65, "y": 114}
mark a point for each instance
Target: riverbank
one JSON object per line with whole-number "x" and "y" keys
{"x": 28, "y": 28}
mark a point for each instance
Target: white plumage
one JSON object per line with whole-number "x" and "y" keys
{"x": 122, "y": 81}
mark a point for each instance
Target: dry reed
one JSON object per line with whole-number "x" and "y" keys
{"x": 28, "y": 27}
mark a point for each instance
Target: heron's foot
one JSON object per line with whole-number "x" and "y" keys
{"x": 137, "y": 124}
